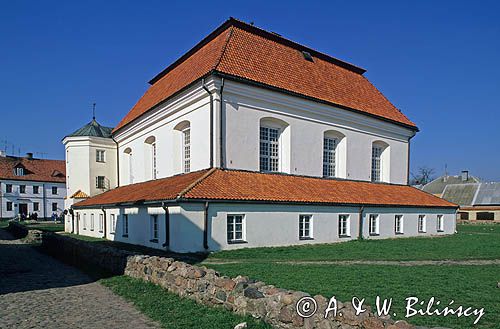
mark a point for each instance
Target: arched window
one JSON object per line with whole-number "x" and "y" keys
{"x": 184, "y": 128}
{"x": 272, "y": 148}
{"x": 127, "y": 163}
{"x": 151, "y": 156}
{"x": 333, "y": 157}
{"x": 380, "y": 162}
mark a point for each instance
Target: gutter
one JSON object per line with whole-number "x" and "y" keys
{"x": 211, "y": 122}
{"x": 164, "y": 205}
{"x": 361, "y": 222}
{"x": 205, "y": 226}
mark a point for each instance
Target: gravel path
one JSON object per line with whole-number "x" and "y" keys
{"x": 37, "y": 291}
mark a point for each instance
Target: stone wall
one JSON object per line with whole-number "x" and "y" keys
{"x": 21, "y": 231}
{"x": 206, "y": 286}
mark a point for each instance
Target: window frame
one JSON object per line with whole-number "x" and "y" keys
{"x": 54, "y": 190}
{"x": 440, "y": 223}
{"x": 54, "y": 205}
{"x": 125, "y": 226}
{"x": 153, "y": 160}
{"x": 36, "y": 189}
{"x": 8, "y": 188}
{"x": 422, "y": 220}
{"x": 234, "y": 231}
{"x": 347, "y": 227}
{"x": 36, "y": 206}
{"x": 273, "y": 161}
{"x": 306, "y": 226}
{"x": 101, "y": 223}
{"x": 97, "y": 185}
{"x": 376, "y": 166}
{"x": 154, "y": 228}
{"x": 328, "y": 171}
{"x": 92, "y": 222}
{"x": 186, "y": 149}
{"x": 398, "y": 224}
{"x": 22, "y": 189}
{"x": 100, "y": 156}
{"x": 84, "y": 221}
{"x": 19, "y": 171}
{"x": 374, "y": 230}
{"x": 112, "y": 223}
{"x": 9, "y": 206}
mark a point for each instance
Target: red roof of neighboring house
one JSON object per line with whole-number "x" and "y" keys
{"x": 236, "y": 185}
{"x": 34, "y": 169}
{"x": 240, "y": 51}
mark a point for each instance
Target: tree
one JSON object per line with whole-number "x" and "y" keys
{"x": 423, "y": 176}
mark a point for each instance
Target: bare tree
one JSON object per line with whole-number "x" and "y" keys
{"x": 423, "y": 176}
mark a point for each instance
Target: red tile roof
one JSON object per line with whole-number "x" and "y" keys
{"x": 240, "y": 51}
{"x": 235, "y": 185}
{"x": 34, "y": 169}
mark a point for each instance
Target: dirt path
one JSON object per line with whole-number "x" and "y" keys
{"x": 37, "y": 291}
{"x": 472, "y": 262}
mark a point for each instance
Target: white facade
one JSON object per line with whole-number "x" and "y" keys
{"x": 17, "y": 196}
{"x": 264, "y": 225}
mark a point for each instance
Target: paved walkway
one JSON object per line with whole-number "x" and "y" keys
{"x": 37, "y": 291}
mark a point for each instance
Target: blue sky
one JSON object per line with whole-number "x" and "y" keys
{"x": 436, "y": 60}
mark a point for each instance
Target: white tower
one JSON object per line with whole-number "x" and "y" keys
{"x": 91, "y": 165}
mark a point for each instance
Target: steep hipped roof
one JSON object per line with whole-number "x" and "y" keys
{"x": 246, "y": 53}
{"x": 438, "y": 185}
{"x": 461, "y": 194}
{"x": 34, "y": 169}
{"x": 237, "y": 185}
{"x": 93, "y": 129}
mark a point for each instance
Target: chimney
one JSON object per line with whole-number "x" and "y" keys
{"x": 465, "y": 175}
{"x": 29, "y": 155}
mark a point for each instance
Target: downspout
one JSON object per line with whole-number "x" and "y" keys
{"x": 222, "y": 121}
{"x": 167, "y": 226}
{"x": 117, "y": 163}
{"x": 72, "y": 213}
{"x": 211, "y": 123}
{"x": 205, "y": 226}
{"x": 360, "y": 234}
{"x": 44, "y": 203}
{"x": 104, "y": 222}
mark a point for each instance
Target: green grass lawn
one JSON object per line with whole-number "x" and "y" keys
{"x": 4, "y": 223}
{"x": 45, "y": 226}
{"x": 174, "y": 312}
{"x": 474, "y": 286}
{"x": 471, "y": 242}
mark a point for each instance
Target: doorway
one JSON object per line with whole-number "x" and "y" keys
{"x": 23, "y": 209}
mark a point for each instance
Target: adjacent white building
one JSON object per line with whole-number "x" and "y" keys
{"x": 29, "y": 186}
{"x": 273, "y": 116}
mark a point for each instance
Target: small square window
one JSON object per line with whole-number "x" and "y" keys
{"x": 36, "y": 189}
{"x": 100, "y": 182}
{"x": 100, "y": 156}
{"x": 305, "y": 227}
{"x": 22, "y": 188}
{"x": 8, "y": 188}
{"x": 235, "y": 228}
{"x": 54, "y": 190}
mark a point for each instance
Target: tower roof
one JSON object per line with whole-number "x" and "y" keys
{"x": 94, "y": 129}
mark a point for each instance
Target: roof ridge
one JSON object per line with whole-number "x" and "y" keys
{"x": 196, "y": 182}
{"x": 228, "y": 38}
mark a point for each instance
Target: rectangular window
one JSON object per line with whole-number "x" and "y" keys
{"x": 235, "y": 228}
{"x": 421, "y": 224}
{"x": 186, "y": 154}
{"x": 398, "y": 224}
{"x": 376, "y": 158}
{"x": 99, "y": 155}
{"x": 112, "y": 223}
{"x": 154, "y": 228}
{"x": 440, "y": 223}
{"x": 54, "y": 206}
{"x": 9, "y": 206}
{"x": 92, "y": 223}
{"x": 269, "y": 149}
{"x": 344, "y": 226}
{"x": 84, "y": 221}
{"x": 101, "y": 223}
{"x": 8, "y": 188}
{"x": 22, "y": 188}
{"x": 125, "y": 225}
{"x": 36, "y": 206}
{"x": 153, "y": 160}
{"x": 54, "y": 189}
{"x": 19, "y": 171}
{"x": 35, "y": 189}
{"x": 100, "y": 182}
{"x": 374, "y": 224}
{"x": 329, "y": 156}
{"x": 305, "y": 227}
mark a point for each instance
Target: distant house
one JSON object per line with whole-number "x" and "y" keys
{"x": 29, "y": 185}
{"x": 438, "y": 185}
{"x": 478, "y": 201}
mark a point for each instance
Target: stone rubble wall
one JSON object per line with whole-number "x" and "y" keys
{"x": 241, "y": 295}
